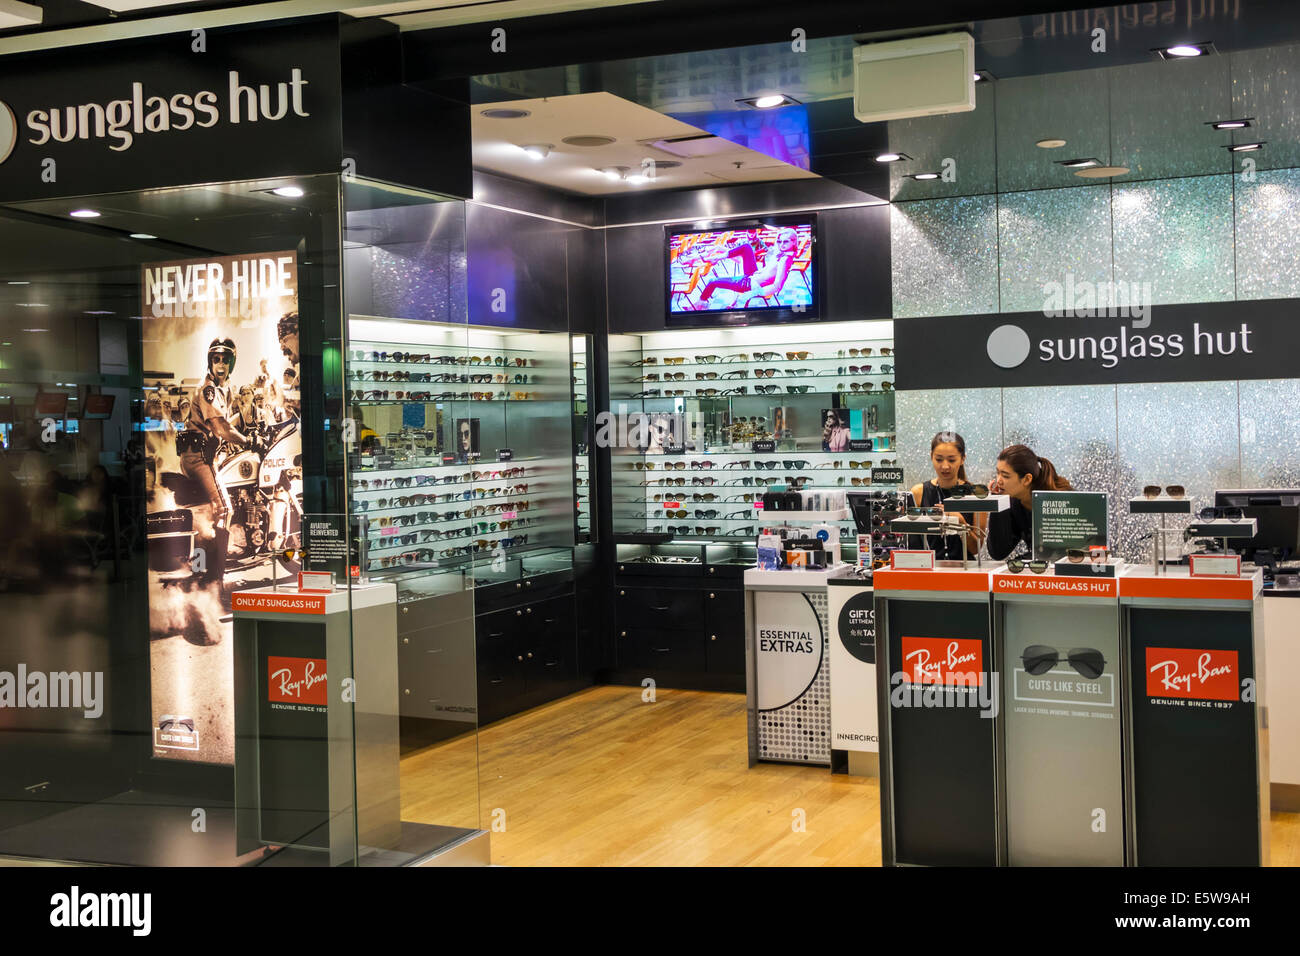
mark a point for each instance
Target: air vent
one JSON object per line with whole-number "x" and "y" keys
{"x": 505, "y": 114}
{"x": 690, "y": 147}
{"x": 590, "y": 142}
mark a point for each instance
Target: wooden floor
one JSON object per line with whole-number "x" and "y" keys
{"x": 602, "y": 778}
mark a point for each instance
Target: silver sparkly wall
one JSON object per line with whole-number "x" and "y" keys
{"x": 945, "y": 256}
{"x": 1268, "y": 235}
{"x": 1050, "y": 233}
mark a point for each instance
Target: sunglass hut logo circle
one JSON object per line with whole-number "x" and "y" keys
{"x": 8, "y": 131}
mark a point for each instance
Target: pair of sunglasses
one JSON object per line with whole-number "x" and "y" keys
{"x": 1173, "y": 491}
{"x": 1016, "y": 565}
{"x": 1227, "y": 514}
{"x": 1096, "y": 554}
{"x": 1087, "y": 661}
{"x": 977, "y": 491}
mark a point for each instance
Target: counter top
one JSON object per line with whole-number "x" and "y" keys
{"x": 794, "y": 580}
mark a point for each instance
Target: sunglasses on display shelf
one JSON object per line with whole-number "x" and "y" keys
{"x": 884, "y": 368}
{"x": 1173, "y": 491}
{"x": 798, "y": 356}
{"x": 798, "y": 389}
{"x": 706, "y": 392}
{"x": 706, "y": 496}
{"x": 652, "y": 360}
{"x": 744, "y": 532}
{"x": 738, "y": 390}
{"x": 738, "y": 373}
{"x": 737, "y": 464}
{"x": 931, "y": 512}
{"x": 708, "y": 359}
{"x": 1086, "y": 661}
{"x": 705, "y": 376}
{"x": 799, "y": 463}
{"x": 766, "y": 389}
{"x": 1227, "y": 514}
{"x": 740, "y": 481}
{"x": 743, "y": 514}
{"x": 648, "y": 393}
{"x": 798, "y": 371}
{"x": 736, "y": 357}
{"x": 701, "y": 465}
{"x": 704, "y": 481}
{"x": 746, "y": 497}
{"x": 796, "y": 481}
{"x": 765, "y": 372}
{"x": 1018, "y": 564}
{"x": 766, "y": 356}
{"x": 678, "y": 482}
{"x": 675, "y": 360}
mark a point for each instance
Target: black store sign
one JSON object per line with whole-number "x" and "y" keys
{"x": 1210, "y": 341}
{"x": 156, "y": 112}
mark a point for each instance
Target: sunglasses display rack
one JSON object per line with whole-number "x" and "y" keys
{"x": 479, "y": 516}
{"x": 581, "y": 439}
{"x": 749, "y": 404}
{"x": 1163, "y": 505}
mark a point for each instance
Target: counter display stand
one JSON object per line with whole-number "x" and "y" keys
{"x": 787, "y": 669}
{"x": 1197, "y": 774}
{"x": 937, "y": 701}
{"x": 855, "y": 734}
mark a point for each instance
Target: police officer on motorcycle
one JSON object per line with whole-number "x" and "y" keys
{"x": 209, "y": 424}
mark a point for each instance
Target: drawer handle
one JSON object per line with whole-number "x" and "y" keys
{"x": 662, "y": 650}
{"x": 530, "y": 655}
{"x": 550, "y": 620}
{"x": 519, "y": 658}
{"x": 712, "y": 595}
{"x": 498, "y": 680}
{"x": 665, "y": 607}
{"x": 407, "y": 692}
{"x": 497, "y": 634}
{"x": 713, "y": 637}
{"x": 552, "y": 663}
{"x": 622, "y": 593}
{"x": 622, "y": 633}
{"x": 406, "y": 610}
{"x": 406, "y": 640}
{"x": 529, "y": 610}
{"x": 519, "y": 613}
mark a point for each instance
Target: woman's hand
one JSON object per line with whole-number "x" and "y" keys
{"x": 995, "y": 486}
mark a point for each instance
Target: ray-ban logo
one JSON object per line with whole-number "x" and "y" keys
{"x": 8, "y": 131}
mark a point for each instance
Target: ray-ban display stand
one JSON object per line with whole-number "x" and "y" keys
{"x": 1164, "y": 507}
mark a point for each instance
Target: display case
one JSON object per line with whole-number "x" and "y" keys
{"x": 461, "y": 452}
{"x": 704, "y": 421}
{"x": 582, "y": 470}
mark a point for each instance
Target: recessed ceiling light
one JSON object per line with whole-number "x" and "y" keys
{"x": 589, "y": 142}
{"x": 1050, "y": 143}
{"x": 768, "y": 101}
{"x": 502, "y": 113}
{"x": 16, "y": 282}
{"x": 1078, "y": 163}
{"x": 892, "y": 157}
{"x": 1183, "y": 51}
{"x": 1101, "y": 172}
{"x": 1244, "y": 147}
{"x": 84, "y": 214}
{"x": 538, "y": 151}
{"x": 289, "y": 192}
{"x": 926, "y": 176}
{"x": 142, "y": 235}
{"x": 983, "y": 76}
{"x": 100, "y": 312}
{"x": 32, "y": 305}
{"x": 613, "y": 172}
{"x": 35, "y": 330}
{"x": 1232, "y": 124}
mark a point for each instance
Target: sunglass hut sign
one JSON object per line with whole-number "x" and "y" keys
{"x": 119, "y": 123}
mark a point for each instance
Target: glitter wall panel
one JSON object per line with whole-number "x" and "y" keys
{"x": 1074, "y": 427}
{"x": 944, "y": 254}
{"x": 976, "y": 414}
{"x": 1264, "y": 86}
{"x": 1270, "y": 424}
{"x": 1071, "y": 106}
{"x": 1046, "y": 235}
{"x": 1176, "y": 235}
{"x": 1268, "y": 235}
{"x": 1181, "y": 433}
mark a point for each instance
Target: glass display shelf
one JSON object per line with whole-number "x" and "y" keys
{"x": 735, "y": 412}
{"x": 581, "y": 438}
{"x": 466, "y": 462}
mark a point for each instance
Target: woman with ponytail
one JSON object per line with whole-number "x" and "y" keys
{"x": 1020, "y": 473}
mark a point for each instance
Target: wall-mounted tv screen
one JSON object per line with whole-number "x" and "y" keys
{"x": 740, "y": 272}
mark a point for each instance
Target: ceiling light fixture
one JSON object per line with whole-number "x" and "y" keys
{"x": 289, "y": 192}
{"x": 1244, "y": 147}
{"x": 1232, "y": 124}
{"x": 1078, "y": 163}
{"x": 614, "y": 173}
{"x": 1184, "y": 51}
{"x": 1050, "y": 143}
{"x": 84, "y": 214}
{"x": 924, "y": 176}
{"x": 18, "y": 282}
{"x": 768, "y": 101}
{"x": 892, "y": 157}
{"x": 538, "y": 151}
{"x": 35, "y": 330}
{"x": 142, "y": 235}
{"x": 1101, "y": 172}
{"x": 503, "y": 113}
{"x": 983, "y": 76}
{"x": 589, "y": 141}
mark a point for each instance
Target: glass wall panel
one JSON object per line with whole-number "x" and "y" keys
{"x": 945, "y": 256}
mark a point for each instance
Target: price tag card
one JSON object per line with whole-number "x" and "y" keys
{"x": 911, "y": 560}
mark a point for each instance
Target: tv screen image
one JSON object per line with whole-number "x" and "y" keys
{"x": 761, "y": 269}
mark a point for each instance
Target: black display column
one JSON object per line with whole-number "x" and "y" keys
{"x": 938, "y": 700}
{"x": 1198, "y": 768}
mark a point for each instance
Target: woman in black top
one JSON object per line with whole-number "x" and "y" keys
{"x": 1020, "y": 474}
{"x": 948, "y": 456}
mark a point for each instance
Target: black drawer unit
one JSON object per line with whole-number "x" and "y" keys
{"x": 527, "y": 655}
{"x": 724, "y": 620}
{"x": 676, "y": 608}
{"x": 659, "y": 653}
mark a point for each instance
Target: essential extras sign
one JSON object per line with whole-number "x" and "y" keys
{"x": 1207, "y": 341}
